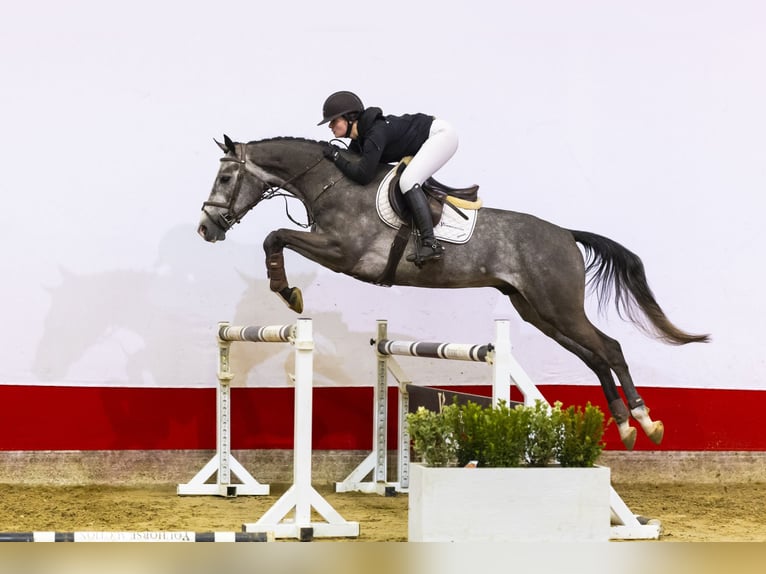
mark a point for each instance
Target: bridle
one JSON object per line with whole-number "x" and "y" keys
{"x": 226, "y": 218}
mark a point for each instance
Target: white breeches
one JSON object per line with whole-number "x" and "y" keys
{"x": 440, "y": 146}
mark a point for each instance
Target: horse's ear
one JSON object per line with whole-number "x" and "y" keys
{"x": 220, "y": 145}
{"x": 229, "y": 144}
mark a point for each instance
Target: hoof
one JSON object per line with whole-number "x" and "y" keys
{"x": 628, "y": 436}
{"x": 656, "y": 432}
{"x": 293, "y": 297}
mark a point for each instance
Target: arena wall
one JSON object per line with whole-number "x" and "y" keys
{"x": 642, "y": 122}
{"x": 39, "y": 418}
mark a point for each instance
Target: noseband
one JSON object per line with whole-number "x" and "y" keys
{"x": 226, "y": 218}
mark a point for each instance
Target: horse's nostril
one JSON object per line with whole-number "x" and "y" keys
{"x": 202, "y": 230}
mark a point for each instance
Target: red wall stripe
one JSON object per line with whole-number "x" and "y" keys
{"x": 124, "y": 418}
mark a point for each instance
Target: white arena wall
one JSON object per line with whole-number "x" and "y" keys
{"x": 643, "y": 122}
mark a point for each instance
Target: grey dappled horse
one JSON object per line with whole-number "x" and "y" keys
{"x": 535, "y": 263}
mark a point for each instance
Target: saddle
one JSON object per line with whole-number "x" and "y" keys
{"x": 437, "y": 193}
{"x": 438, "y": 196}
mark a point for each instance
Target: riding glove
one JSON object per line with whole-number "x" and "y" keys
{"x": 330, "y": 151}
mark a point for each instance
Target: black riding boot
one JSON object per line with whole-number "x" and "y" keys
{"x": 428, "y": 248}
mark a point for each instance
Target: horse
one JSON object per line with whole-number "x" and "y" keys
{"x": 537, "y": 264}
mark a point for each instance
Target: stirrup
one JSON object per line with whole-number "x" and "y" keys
{"x": 426, "y": 252}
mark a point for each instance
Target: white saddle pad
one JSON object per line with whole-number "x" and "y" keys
{"x": 452, "y": 228}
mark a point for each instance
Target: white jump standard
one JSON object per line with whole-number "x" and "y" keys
{"x": 301, "y": 497}
{"x": 223, "y": 464}
{"x": 505, "y": 370}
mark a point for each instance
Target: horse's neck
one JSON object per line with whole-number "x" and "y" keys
{"x": 303, "y": 161}
{"x": 311, "y": 179}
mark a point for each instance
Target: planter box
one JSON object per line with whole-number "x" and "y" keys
{"x": 509, "y": 504}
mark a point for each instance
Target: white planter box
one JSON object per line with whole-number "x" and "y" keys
{"x": 509, "y": 504}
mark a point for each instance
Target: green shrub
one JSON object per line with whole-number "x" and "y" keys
{"x": 581, "y": 437}
{"x": 505, "y": 436}
{"x": 469, "y": 431}
{"x": 544, "y": 433}
{"x": 507, "y": 429}
{"x": 431, "y": 435}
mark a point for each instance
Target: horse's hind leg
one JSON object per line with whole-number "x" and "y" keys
{"x": 601, "y": 369}
{"x": 655, "y": 430}
{"x": 602, "y": 364}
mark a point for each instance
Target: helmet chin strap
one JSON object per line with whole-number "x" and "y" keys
{"x": 349, "y": 125}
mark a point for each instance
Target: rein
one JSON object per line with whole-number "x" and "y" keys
{"x": 227, "y": 219}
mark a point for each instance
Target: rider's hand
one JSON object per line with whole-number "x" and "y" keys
{"x": 330, "y": 151}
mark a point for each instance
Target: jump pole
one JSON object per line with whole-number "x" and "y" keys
{"x": 224, "y": 464}
{"x": 505, "y": 371}
{"x": 301, "y": 497}
{"x": 133, "y": 536}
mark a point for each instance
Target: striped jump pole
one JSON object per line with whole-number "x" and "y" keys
{"x": 267, "y": 334}
{"x": 134, "y": 536}
{"x": 224, "y": 464}
{"x": 505, "y": 371}
{"x": 453, "y": 351}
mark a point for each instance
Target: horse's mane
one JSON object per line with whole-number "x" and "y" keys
{"x": 285, "y": 139}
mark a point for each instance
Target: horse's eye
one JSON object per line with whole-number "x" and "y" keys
{"x": 225, "y": 179}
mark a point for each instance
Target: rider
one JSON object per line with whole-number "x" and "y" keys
{"x": 378, "y": 138}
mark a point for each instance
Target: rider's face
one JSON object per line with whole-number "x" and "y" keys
{"x": 339, "y": 127}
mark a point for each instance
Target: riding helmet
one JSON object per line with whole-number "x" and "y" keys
{"x": 339, "y": 104}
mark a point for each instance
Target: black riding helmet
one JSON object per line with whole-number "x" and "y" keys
{"x": 340, "y": 104}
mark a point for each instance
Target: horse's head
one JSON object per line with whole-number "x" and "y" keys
{"x": 239, "y": 186}
{"x": 252, "y": 172}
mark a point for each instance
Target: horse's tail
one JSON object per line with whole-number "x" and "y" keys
{"x": 613, "y": 269}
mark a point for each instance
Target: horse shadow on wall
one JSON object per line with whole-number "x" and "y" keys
{"x": 157, "y": 327}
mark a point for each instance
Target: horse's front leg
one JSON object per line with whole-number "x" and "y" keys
{"x": 314, "y": 246}
{"x": 275, "y": 269}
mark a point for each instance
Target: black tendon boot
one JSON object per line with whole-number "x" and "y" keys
{"x": 428, "y": 248}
